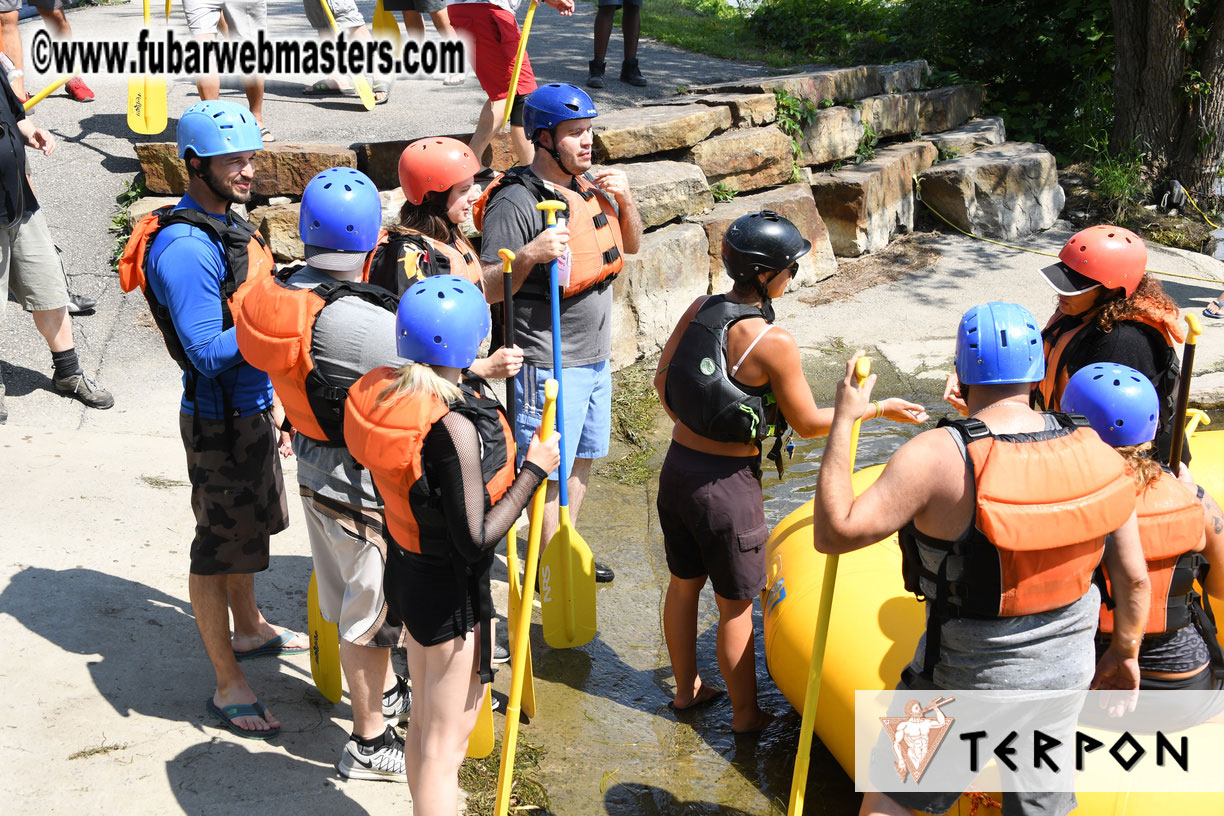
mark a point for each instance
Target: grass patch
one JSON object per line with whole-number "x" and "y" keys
{"x": 162, "y": 483}
{"x": 99, "y": 749}
{"x": 478, "y": 778}
{"x": 635, "y": 407}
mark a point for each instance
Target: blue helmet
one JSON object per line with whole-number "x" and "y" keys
{"x": 1120, "y": 403}
{"x": 441, "y": 321}
{"x": 554, "y": 103}
{"x": 217, "y": 127}
{"x": 340, "y": 210}
{"x": 999, "y": 343}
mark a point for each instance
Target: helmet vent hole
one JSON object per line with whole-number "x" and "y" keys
{"x": 327, "y": 186}
{"x": 1118, "y": 423}
{"x": 441, "y": 296}
{"x": 349, "y": 228}
{"x": 438, "y": 339}
{"x": 1003, "y": 338}
{"x": 571, "y": 106}
{"x": 316, "y": 223}
{"x": 1097, "y": 377}
{"x": 348, "y": 189}
{"x": 1117, "y": 383}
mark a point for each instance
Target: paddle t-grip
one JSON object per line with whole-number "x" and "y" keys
{"x": 550, "y": 208}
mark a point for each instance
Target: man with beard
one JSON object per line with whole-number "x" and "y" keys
{"x": 601, "y": 224}
{"x": 197, "y": 258}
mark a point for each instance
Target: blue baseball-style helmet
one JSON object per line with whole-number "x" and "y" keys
{"x": 217, "y": 127}
{"x": 554, "y": 103}
{"x": 999, "y": 343}
{"x": 441, "y": 321}
{"x": 340, "y": 210}
{"x": 1119, "y": 402}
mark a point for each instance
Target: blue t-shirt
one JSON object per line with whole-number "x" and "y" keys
{"x": 186, "y": 269}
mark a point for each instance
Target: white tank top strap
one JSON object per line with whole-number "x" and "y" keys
{"x": 748, "y": 350}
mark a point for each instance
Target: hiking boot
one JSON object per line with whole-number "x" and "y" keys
{"x": 384, "y": 761}
{"x": 78, "y": 90}
{"x": 632, "y": 75}
{"x": 596, "y": 80}
{"x": 397, "y": 703}
{"x": 77, "y": 304}
{"x": 603, "y": 574}
{"x": 80, "y": 387}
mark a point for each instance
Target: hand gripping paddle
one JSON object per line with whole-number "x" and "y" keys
{"x": 519, "y": 646}
{"x": 324, "y": 647}
{"x": 567, "y": 568}
{"x": 146, "y": 111}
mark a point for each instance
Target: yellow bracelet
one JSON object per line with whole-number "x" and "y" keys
{"x": 879, "y": 410}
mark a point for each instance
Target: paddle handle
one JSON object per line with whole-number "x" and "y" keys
{"x": 550, "y": 209}
{"x": 518, "y": 67}
{"x": 820, "y": 639}
{"x": 505, "y": 773}
{"x": 1183, "y": 394}
{"x": 507, "y": 257}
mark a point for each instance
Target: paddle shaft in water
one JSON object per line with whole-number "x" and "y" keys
{"x": 1183, "y": 394}
{"x": 812, "y": 696}
{"x": 518, "y": 65}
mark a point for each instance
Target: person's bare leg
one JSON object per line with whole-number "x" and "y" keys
{"x": 208, "y": 86}
{"x": 442, "y": 24}
{"x": 631, "y": 30}
{"x": 414, "y": 24}
{"x": 10, "y": 44}
{"x": 56, "y": 23}
{"x": 254, "y": 88}
{"x": 56, "y": 327}
{"x": 680, "y": 633}
{"x": 737, "y": 662}
{"x": 420, "y": 713}
{"x": 879, "y": 804}
{"x": 579, "y": 476}
{"x": 524, "y": 150}
{"x": 365, "y": 670}
{"x": 603, "y": 31}
{"x": 251, "y": 629}
{"x": 208, "y": 594}
{"x": 483, "y": 135}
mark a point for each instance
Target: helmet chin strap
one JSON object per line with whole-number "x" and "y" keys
{"x": 556, "y": 156}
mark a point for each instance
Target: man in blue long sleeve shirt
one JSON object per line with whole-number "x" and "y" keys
{"x": 237, "y": 490}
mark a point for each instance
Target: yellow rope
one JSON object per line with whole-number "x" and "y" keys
{"x": 918, "y": 195}
{"x": 1213, "y": 224}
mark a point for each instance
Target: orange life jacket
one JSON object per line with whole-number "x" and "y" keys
{"x": 275, "y": 326}
{"x": 246, "y": 256}
{"x": 402, "y": 259}
{"x": 388, "y": 437}
{"x": 1171, "y": 530}
{"x": 595, "y": 235}
{"x": 1044, "y": 503}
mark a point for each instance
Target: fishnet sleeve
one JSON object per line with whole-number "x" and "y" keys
{"x": 452, "y": 453}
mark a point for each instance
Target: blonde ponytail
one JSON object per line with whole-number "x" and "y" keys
{"x": 421, "y": 380}
{"x": 1143, "y": 467}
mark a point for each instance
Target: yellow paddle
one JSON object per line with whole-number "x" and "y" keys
{"x": 146, "y": 111}
{"x": 519, "y": 646}
{"x": 362, "y": 85}
{"x": 45, "y": 92}
{"x": 1183, "y": 393}
{"x": 386, "y": 27}
{"x": 324, "y": 646}
{"x": 512, "y": 562}
{"x": 810, "y": 698}
{"x": 480, "y": 741}
{"x": 567, "y": 568}
{"x": 518, "y": 65}
{"x": 168, "y": 10}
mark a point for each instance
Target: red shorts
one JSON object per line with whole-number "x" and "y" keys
{"x": 495, "y": 39}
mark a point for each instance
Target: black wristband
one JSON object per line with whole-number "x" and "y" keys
{"x": 536, "y": 469}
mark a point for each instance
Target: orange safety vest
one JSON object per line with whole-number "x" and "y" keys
{"x": 246, "y": 257}
{"x": 595, "y": 234}
{"x": 1172, "y": 532}
{"x": 387, "y": 438}
{"x": 402, "y": 259}
{"x": 275, "y": 324}
{"x": 1044, "y": 503}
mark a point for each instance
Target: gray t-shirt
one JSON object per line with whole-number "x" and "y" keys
{"x": 351, "y": 337}
{"x": 586, "y": 319}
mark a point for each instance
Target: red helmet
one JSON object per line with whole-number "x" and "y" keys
{"x": 434, "y": 164}
{"x": 1110, "y": 256}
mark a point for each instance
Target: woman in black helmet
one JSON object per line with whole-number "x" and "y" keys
{"x": 730, "y": 379}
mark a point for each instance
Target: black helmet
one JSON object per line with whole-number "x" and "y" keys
{"x": 761, "y": 242}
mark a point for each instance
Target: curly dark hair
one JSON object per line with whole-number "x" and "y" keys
{"x": 429, "y": 219}
{"x": 1143, "y": 467}
{"x": 1148, "y": 298}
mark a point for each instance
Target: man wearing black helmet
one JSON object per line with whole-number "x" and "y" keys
{"x": 730, "y": 379}
{"x": 601, "y": 223}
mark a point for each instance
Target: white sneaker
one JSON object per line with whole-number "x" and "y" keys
{"x": 397, "y": 703}
{"x": 381, "y": 762}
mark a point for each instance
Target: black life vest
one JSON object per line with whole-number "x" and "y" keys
{"x": 401, "y": 259}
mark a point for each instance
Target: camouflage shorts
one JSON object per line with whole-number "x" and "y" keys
{"x": 237, "y": 493}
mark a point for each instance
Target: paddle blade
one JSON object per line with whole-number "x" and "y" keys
{"x": 567, "y": 588}
{"x": 386, "y": 27}
{"x": 480, "y": 743}
{"x": 364, "y": 92}
{"x": 146, "y": 111}
{"x": 324, "y": 647}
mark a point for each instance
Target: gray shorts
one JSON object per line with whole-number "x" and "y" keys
{"x": 419, "y": 6}
{"x": 244, "y": 17}
{"x": 345, "y": 11}
{"x": 30, "y": 266}
{"x": 45, "y": 5}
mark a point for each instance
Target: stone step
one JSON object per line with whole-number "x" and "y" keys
{"x": 656, "y": 285}
{"x": 745, "y": 159}
{"x": 794, "y": 201}
{"x": 903, "y": 114}
{"x": 864, "y": 206}
{"x": 625, "y": 134}
{"x": 278, "y": 224}
{"x": 831, "y": 83}
{"x": 1004, "y": 192}
{"x": 666, "y": 190}
{"x": 973, "y": 135}
{"x": 832, "y": 135}
{"x": 281, "y": 168}
{"x": 747, "y": 109}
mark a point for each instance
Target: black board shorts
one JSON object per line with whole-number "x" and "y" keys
{"x": 435, "y": 604}
{"x": 713, "y": 517}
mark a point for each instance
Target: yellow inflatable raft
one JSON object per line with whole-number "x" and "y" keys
{"x": 874, "y": 630}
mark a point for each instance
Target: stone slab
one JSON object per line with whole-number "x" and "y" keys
{"x": 281, "y": 168}
{"x": 973, "y": 135}
{"x": 279, "y": 227}
{"x": 632, "y": 132}
{"x": 904, "y": 114}
{"x": 833, "y": 135}
{"x": 832, "y": 83}
{"x": 666, "y": 190}
{"x": 745, "y": 159}
{"x": 747, "y": 109}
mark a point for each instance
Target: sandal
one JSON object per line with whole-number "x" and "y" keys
{"x": 1218, "y": 314}
{"x": 381, "y": 86}
{"x": 266, "y": 134}
{"x": 326, "y": 87}
{"x": 227, "y": 715}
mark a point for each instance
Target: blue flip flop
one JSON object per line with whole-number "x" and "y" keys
{"x": 228, "y": 714}
{"x": 273, "y": 648}
{"x": 1219, "y": 315}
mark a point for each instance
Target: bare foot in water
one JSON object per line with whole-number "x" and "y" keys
{"x": 753, "y": 723}
{"x": 704, "y": 694}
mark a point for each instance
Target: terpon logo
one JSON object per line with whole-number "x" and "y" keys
{"x": 916, "y": 737}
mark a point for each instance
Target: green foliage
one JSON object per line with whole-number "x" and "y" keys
{"x": 1121, "y": 178}
{"x": 867, "y": 145}
{"x": 837, "y": 31}
{"x": 478, "y": 778}
{"x": 723, "y": 193}
{"x": 795, "y": 113}
{"x": 121, "y": 222}
{"x": 946, "y": 153}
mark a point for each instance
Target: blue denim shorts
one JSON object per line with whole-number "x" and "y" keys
{"x": 587, "y": 391}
